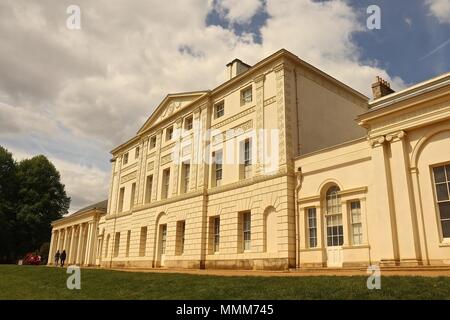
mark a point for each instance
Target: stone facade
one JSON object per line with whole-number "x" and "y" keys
{"x": 225, "y": 178}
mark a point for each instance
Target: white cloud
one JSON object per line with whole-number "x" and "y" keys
{"x": 440, "y": 9}
{"x": 238, "y": 11}
{"x": 101, "y": 82}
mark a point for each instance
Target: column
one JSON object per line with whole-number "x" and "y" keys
{"x": 70, "y": 255}
{"x": 259, "y": 124}
{"x": 51, "y": 252}
{"x": 65, "y": 239}
{"x": 80, "y": 237}
{"x": 418, "y": 202}
{"x": 408, "y": 242}
{"x": 58, "y": 240}
{"x": 88, "y": 245}
{"x": 385, "y": 247}
{"x": 196, "y": 142}
{"x": 176, "y": 152}
{"x": 156, "y": 166}
{"x": 202, "y": 178}
{"x": 345, "y": 223}
{"x": 283, "y": 108}
{"x": 143, "y": 172}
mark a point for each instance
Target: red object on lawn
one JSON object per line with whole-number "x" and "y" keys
{"x": 32, "y": 259}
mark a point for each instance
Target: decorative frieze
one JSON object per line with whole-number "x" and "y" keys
{"x": 186, "y": 150}
{"x": 234, "y": 118}
{"x": 270, "y": 101}
{"x": 166, "y": 159}
{"x": 128, "y": 177}
{"x": 233, "y": 132}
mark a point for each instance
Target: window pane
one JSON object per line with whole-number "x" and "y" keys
{"x": 444, "y": 209}
{"x": 441, "y": 191}
{"x": 439, "y": 174}
{"x": 447, "y": 169}
{"x": 446, "y": 228}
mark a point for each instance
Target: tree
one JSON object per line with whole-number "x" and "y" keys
{"x": 41, "y": 199}
{"x": 8, "y": 199}
{"x": 31, "y": 197}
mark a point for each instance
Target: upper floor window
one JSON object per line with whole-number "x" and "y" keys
{"x": 152, "y": 142}
{"x": 185, "y": 176}
{"x": 121, "y": 196}
{"x": 188, "y": 122}
{"x": 219, "y": 109}
{"x": 312, "y": 227}
{"x": 125, "y": 158}
{"x": 165, "y": 184}
{"x": 217, "y": 158}
{"x": 246, "y": 159}
{"x": 148, "y": 188}
{"x": 136, "y": 152}
{"x": 355, "y": 212}
{"x": 442, "y": 191}
{"x": 169, "y": 133}
{"x": 335, "y": 229}
{"x": 246, "y": 95}
{"x": 133, "y": 194}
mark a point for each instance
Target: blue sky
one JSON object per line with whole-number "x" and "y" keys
{"x": 404, "y": 45}
{"x": 73, "y": 95}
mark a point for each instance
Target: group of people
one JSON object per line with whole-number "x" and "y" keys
{"x": 60, "y": 258}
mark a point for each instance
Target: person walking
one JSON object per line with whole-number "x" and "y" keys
{"x": 63, "y": 258}
{"x": 57, "y": 255}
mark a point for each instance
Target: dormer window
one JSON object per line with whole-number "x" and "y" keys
{"x": 188, "y": 122}
{"x": 219, "y": 109}
{"x": 169, "y": 133}
{"x": 246, "y": 95}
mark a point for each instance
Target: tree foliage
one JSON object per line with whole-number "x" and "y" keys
{"x": 31, "y": 197}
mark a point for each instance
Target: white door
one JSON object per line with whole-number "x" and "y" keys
{"x": 334, "y": 240}
{"x": 163, "y": 240}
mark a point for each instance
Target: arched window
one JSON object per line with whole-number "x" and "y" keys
{"x": 333, "y": 213}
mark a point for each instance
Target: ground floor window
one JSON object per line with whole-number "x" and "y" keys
{"x": 216, "y": 234}
{"x": 181, "y": 229}
{"x": 312, "y": 227}
{"x": 441, "y": 176}
{"x": 246, "y": 223}
{"x": 116, "y": 244}
{"x": 163, "y": 238}
{"x": 143, "y": 241}
{"x": 355, "y": 213}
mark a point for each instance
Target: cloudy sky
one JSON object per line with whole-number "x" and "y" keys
{"x": 73, "y": 95}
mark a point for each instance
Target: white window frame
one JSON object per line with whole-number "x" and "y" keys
{"x": 247, "y": 230}
{"x": 219, "y": 107}
{"x": 438, "y": 203}
{"x": 247, "y": 95}
{"x": 356, "y": 224}
{"x": 165, "y": 183}
{"x": 216, "y": 234}
{"x": 311, "y": 216}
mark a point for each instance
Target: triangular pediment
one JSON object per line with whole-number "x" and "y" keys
{"x": 171, "y": 104}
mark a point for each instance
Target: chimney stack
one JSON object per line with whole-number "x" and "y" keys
{"x": 381, "y": 88}
{"x": 235, "y": 68}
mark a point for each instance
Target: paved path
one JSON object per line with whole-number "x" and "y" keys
{"x": 424, "y": 272}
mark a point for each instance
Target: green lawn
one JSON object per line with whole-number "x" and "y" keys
{"x": 31, "y": 282}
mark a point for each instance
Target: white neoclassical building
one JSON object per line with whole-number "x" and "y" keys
{"x": 281, "y": 166}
